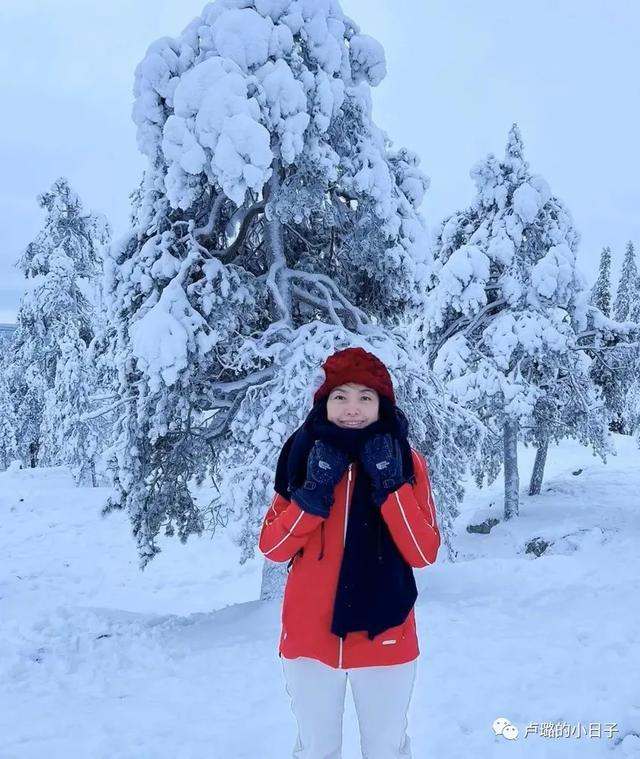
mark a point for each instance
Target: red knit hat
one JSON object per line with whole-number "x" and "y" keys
{"x": 355, "y": 365}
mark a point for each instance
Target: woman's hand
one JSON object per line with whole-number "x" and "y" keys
{"x": 382, "y": 460}
{"x": 325, "y": 466}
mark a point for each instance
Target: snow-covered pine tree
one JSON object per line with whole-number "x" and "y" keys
{"x": 48, "y": 378}
{"x": 5, "y": 345}
{"x": 27, "y": 365}
{"x": 69, "y": 433}
{"x": 505, "y": 306}
{"x": 601, "y": 292}
{"x": 8, "y": 444}
{"x": 628, "y": 292}
{"x": 632, "y": 407}
{"x": 610, "y": 345}
{"x": 571, "y": 407}
{"x": 104, "y": 374}
{"x": 607, "y": 373}
{"x": 103, "y": 403}
{"x": 274, "y": 225}
{"x": 617, "y": 371}
{"x": 627, "y": 307}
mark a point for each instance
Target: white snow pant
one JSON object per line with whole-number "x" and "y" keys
{"x": 381, "y": 696}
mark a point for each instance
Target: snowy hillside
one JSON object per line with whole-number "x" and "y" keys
{"x": 101, "y": 661}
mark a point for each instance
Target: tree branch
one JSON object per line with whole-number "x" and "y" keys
{"x": 466, "y": 323}
{"x": 213, "y": 217}
{"x": 478, "y": 318}
{"x": 600, "y": 348}
{"x": 304, "y": 239}
{"x": 311, "y": 300}
{"x": 101, "y": 412}
{"x": 361, "y": 320}
{"x": 226, "y": 255}
{"x": 272, "y": 284}
{"x": 251, "y": 379}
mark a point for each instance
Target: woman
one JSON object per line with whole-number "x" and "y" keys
{"x": 352, "y": 513}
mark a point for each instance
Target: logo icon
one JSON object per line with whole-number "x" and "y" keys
{"x": 502, "y": 726}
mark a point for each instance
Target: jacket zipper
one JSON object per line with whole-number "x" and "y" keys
{"x": 344, "y": 543}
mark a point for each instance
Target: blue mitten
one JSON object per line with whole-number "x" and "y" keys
{"x": 382, "y": 460}
{"x": 325, "y": 467}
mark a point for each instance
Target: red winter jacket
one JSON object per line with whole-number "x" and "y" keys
{"x": 307, "y": 607}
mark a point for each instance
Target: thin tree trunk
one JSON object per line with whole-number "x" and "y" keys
{"x": 511, "y": 477}
{"x": 538, "y": 468}
{"x": 33, "y": 454}
{"x": 275, "y": 241}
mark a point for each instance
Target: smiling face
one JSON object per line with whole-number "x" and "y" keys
{"x": 353, "y": 406}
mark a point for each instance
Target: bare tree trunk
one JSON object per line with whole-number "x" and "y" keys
{"x": 538, "y": 468}
{"x": 511, "y": 477}
{"x": 274, "y": 576}
{"x": 33, "y": 455}
{"x": 88, "y": 477}
{"x": 275, "y": 242}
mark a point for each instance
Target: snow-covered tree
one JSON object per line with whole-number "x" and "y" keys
{"x": 504, "y": 311}
{"x": 8, "y": 444}
{"x": 608, "y": 372}
{"x": 627, "y": 302}
{"x": 274, "y": 225}
{"x": 26, "y": 375}
{"x": 570, "y": 406}
{"x": 631, "y": 409}
{"x": 103, "y": 404}
{"x": 617, "y": 372}
{"x": 68, "y": 437}
{"x": 601, "y": 292}
{"x": 5, "y": 345}
{"x": 48, "y": 377}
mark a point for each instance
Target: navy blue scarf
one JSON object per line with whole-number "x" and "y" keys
{"x": 376, "y": 587}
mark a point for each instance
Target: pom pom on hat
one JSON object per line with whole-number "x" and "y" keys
{"x": 355, "y": 365}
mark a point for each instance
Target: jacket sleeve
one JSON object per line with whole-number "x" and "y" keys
{"x": 410, "y": 514}
{"x": 285, "y": 529}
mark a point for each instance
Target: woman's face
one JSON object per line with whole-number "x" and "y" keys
{"x": 353, "y": 405}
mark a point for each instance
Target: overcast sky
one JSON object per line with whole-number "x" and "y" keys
{"x": 459, "y": 74}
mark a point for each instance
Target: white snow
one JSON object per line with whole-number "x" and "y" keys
{"x": 552, "y": 276}
{"x": 527, "y": 202}
{"x": 462, "y": 279}
{"x": 101, "y": 661}
{"x": 367, "y": 59}
{"x": 161, "y": 338}
{"x": 501, "y": 249}
{"x": 212, "y": 111}
{"x": 242, "y": 35}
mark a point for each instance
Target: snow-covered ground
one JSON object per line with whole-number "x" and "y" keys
{"x": 101, "y": 661}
